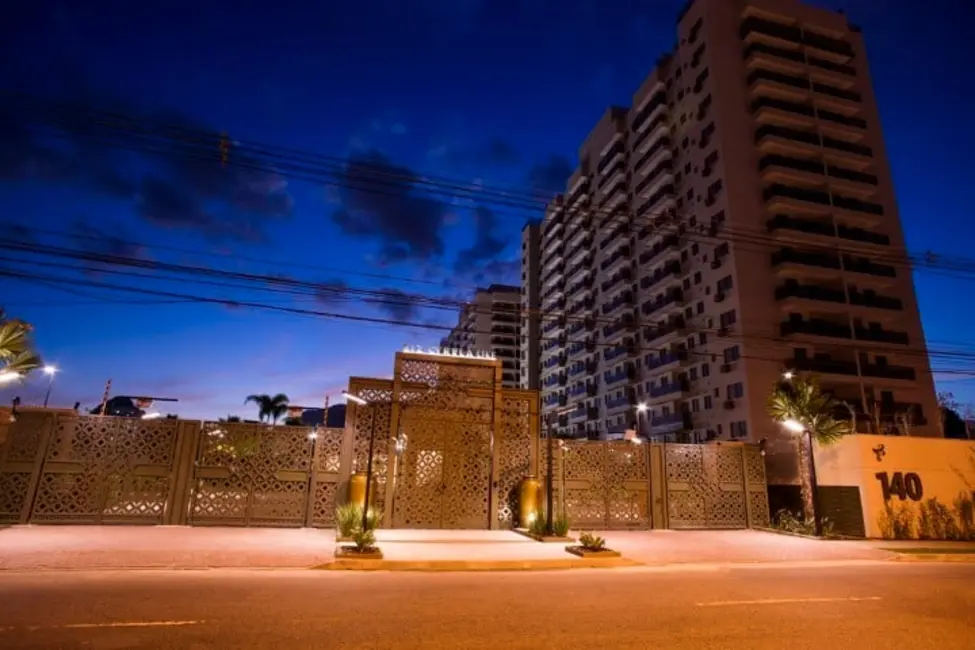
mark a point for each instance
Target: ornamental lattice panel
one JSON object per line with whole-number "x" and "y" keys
{"x": 756, "y": 487}
{"x": 19, "y": 456}
{"x": 705, "y": 486}
{"x": 252, "y": 474}
{"x": 107, "y": 469}
{"x": 360, "y": 421}
{"x": 514, "y": 451}
{"x": 327, "y": 467}
{"x": 443, "y": 475}
{"x": 605, "y": 484}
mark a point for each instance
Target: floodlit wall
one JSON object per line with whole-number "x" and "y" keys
{"x": 897, "y": 477}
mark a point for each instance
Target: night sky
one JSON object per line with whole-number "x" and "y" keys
{"x": 497, "y": 94}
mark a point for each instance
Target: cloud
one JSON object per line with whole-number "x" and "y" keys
{"x": 549, "y": 177}
{"x": 487, "y": 245}
{"x": 398, "y": 306}
{"x": 496, "y": 152}
{"x": 382, "y": 202}
{"x": 331, "y": 292}
{"x": 181, "y": 189}
{"x": 499, "y": 272}
{"x": 109, "y": 239}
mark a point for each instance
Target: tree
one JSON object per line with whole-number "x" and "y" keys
{"x": 801, "y": 406}
{"x": 951, "y": 421}
{"x": 269, "y": 408}
{"x": 16, "y": 348}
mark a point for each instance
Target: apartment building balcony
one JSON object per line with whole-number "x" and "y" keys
{"x": 657, "y": 201}
{"x": 815, "y": 327}
{"x": 658, "y": 151}
{"x": 576, "y": 289}
{"x": 625, "y": 323}
{"x": 777, "y": 111}
{"x": 663, "y": 305}
{"x": 616, "y": 404}
{"x": 618, "y": 260}
{"x": 577, "y": 390}
{"x": 825, "y": 228}
{"x": 669, "y": 391}
{"x": 576, "y": 350}
{"x": 667, "y": 360}
{"x": 618, "y": 278}
{"x": 577, "y": 193}
{"x": 617, "y": 235}
{"x": 873, "y": 300}
{"x": 671, "y": 423}
{"x": 662, "y": 334}
{"x": 554, "y": 362}
{"x": 625, "y": 299}
{"x": 662, "y": 251}
{"x": 660, "y": 174}
{"x": 577, "y": 368}
{"x": 552, "y": 325}
{"x": 651, "y": 110}
{"x": 888, "y": 372}
{"x": 781, "y": 169}
{"x": 880, "y": 275}
{"x": 669, "y": 273}
{"x": 578, "y": 414}
{"x": 876, "y": 334}
{"x": 792, "y": 296}
{"x": 578, "y": 268}
{"x": 658, "y": 127}
{"x": 615, "y": 153}
{"x": 757, "y": 54}
{"x": 615, "y": 352}
{"x": 624, "y": 373}
{"x": 581, "y": 248}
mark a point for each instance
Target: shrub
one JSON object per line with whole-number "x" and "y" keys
{"x": 592, "y": 542}
{"x": 789, "y": 522}
{"x": 537, "y": 526}
{"x": 348, "y": 518}
{"x": 561, "y": 525}
{"x": 365, "y": 540}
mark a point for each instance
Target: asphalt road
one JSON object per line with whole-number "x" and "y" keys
{"x": 920, "y": 606}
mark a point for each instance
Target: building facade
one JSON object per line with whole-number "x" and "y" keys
{"x": 737, "y": 221}
{"x": 530, "y": 340}
{"x": 491, "y": 322}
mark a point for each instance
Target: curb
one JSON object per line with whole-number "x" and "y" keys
{"x": 959, "y": 558}
{"x": 467, "y": 565}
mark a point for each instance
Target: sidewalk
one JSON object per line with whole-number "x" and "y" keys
{"x": 29, "y": 548}
{"x": 161, "y": 547}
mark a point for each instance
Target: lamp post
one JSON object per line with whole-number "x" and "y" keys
{"x": 50, "y": 371}
{"x": 372, "y": 441}
{"x": 799, "y": 428}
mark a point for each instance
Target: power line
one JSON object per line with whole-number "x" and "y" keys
{"x": 371, "y": 179}
{"x": 409, "y": 323}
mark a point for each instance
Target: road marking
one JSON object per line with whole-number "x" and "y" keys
{"x": 788, "y": 601}
{"x": 85, "y": 626}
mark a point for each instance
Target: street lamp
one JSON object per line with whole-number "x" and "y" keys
{"x": 795, "y": 426}
{"x": 50, "y": 371}
{"x": 355, "y": 399}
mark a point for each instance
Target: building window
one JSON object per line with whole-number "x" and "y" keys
{"x": 736, "y": 390}
{"x": 707, "y": 403}
{"x": 732, "y": 354}
{"x": 725, "y": 283}
{"x": 728, "y": 318}
{"x": 739, "y": 429}
{"x": 706, "y": 370}
{"x": 700, "y": 307}
{"x": 697, "y": 278}
{"x": 702, "y": 338}
{"x": 695, "y": 405}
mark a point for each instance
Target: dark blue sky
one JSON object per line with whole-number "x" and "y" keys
{"x": 497, "y": 93}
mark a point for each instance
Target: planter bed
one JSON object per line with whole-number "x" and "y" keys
{"x": 544, "y": 538}
{"x": 587, "y": 553}
{"x": 351, "y": 553}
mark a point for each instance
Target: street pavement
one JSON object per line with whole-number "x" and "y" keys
{"x": 768, "y": 606}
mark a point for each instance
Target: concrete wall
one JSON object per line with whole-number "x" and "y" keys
{"x": 946, "y": 469}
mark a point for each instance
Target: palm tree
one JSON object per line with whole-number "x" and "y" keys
{"x": 803, "y": 408}
{"x": 268, "y": 407}
{"x": 16, "y": 349}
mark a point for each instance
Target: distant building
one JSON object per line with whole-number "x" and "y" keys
{"x": 491, "y": 323}
{"x": 314, "y": 417}
{"x": 531, "y": 336}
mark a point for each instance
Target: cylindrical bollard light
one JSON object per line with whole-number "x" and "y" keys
{"x": 528, "y": 500}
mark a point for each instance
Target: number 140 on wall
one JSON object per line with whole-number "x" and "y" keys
{"x": 904, "y": 486}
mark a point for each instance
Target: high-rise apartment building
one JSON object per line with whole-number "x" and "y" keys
{"x": 737, "y": 221}
{"x": 531, "y": 340}
{"x": 491, "y": 322}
